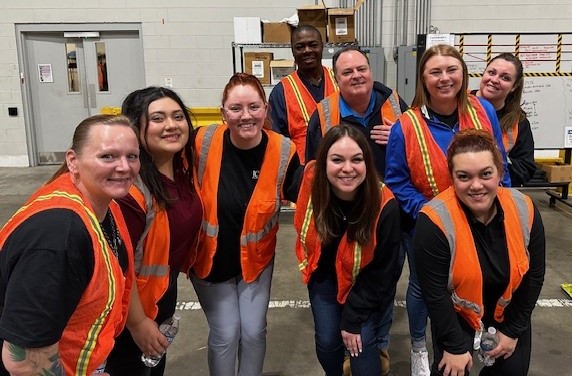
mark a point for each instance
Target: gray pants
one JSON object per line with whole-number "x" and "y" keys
{"x": 236, "y": 314}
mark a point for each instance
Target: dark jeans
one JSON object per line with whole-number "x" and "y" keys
{"x": 516, "y": 365}
{"x": 329, "y": 344}
{"x": 125, "y": 358}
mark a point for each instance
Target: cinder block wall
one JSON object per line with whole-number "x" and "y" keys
{"x": 189, "y": 40}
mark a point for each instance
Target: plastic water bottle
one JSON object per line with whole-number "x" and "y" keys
{"x": 489, "y": 341}
{"x": 169, "y": 328}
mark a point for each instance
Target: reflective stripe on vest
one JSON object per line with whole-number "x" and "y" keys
{"x": 299, "y": 99}
{"x": 206, "y": 143}
{"x": 327, "y": 111}
{"x": 282, "y": 167}
{"x": 304, "y": 232}
{"x": 140, "y": 269}
{"x": 424, "y": 152}
{"x": 394, "y": 102}
{"x": 446, "y": 219}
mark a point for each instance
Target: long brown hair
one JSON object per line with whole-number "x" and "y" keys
{"x": 367, "y": 202}
{"x": 512, "y": 112}
{"x": 136, "y": 107}
{"x": 422, "y": 96}
{"x": 82, "y": 135}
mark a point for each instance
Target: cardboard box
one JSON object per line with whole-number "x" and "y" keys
{"x": 276, "y": 32}
{"x": 247, "y": 30}
{"x": 557, "y": 172}
{"x": 341, "y": 25}
{"x": 314, "y": 15}
{"x": 280, "y": 69}
{"x": 258, "y": 64}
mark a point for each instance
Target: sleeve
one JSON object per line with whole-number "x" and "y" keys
{"x": 293, "y": 179}
{"x": 397, "y": 175}
{"x": 313, "y": 137}
{"x": 521, "y": 157}
{"x": 45, "y": 264}
{"x": 375, "y": 283}
{"x": 432, "y": 259}
{"x": 517, "y": 313}
{"x": 278, "y": 114}
{"x": 497, "y": 133}
{"x": 135, "y": 218}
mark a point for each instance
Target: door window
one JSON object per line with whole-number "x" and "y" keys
{"x": 73, "y": 76}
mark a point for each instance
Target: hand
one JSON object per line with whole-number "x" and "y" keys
{"x": 352, "y": 343}
{"x": 505, "y": 348}
{"x": 147, "y": 336}
{"x": 380, "y": 133}
{"x": 455, "y": 365}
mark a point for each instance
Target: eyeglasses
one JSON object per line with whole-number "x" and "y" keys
{"x": 253, "y": 109}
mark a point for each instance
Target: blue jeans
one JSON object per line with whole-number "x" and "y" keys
{"x": 329, "y": 344}
{"x": 416, "y": 308}
{"x": 387, "y": 316}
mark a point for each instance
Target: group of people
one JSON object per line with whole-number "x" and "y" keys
{"x": 143, "y": 196}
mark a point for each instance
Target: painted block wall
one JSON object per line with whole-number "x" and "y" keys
{"x": 189, "y": 40}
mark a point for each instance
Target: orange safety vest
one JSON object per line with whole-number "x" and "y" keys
{"x": 427, "y": 162}
{"x": 509, "y": 138}
{"x": 258, "y": 236}
{"x": 151, "y": 257}
{"x": 465, "y": 278}
{"x": 100, "y": 315}
{"x": 300, "y": 105}
{"x": 351, "y": 257}
{"x": 329, "y": 110}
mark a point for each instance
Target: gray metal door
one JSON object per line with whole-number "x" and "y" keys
{"x": 71, "y": 76}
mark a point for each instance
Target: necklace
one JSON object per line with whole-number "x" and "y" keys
{"x": 113, "y": 241}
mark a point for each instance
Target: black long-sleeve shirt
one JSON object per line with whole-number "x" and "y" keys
{"x": 433, "y": 257}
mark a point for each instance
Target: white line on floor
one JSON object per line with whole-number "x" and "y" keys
{"x": 191, "y": 306}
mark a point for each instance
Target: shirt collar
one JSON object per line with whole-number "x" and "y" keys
{"x": 347, "y": 112}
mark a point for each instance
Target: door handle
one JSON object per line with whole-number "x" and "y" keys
{"x": 92, "y": 98}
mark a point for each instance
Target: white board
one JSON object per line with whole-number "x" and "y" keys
{"x": 547, "y": 62}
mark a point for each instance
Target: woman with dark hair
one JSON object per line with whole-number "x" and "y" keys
{"x": 502, "y": 85}
{"x": 163, "y": 213}
{"x": 66, "y": 265}
{"x": 244, "y": 171}
{"x": 416, "y": 164}
{"x": 480, "y": 258}
{"x": 348, "y": 241}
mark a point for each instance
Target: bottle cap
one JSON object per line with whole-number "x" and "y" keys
{"x": 176, "y": 316}
{"x": 492, "y": 330}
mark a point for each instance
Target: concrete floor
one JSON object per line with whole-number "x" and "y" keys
{"x": 290, "y": 346}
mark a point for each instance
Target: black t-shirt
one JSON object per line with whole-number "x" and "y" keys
{"x": 238, "y": 176}
{"x": 45, "y": 265}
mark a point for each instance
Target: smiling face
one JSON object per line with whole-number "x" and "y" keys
{"x": 307, "y": 49}
{"x": 244, "y": 111}
{"x": 498, "y": 82}
{"x": 475, "y": 180}
{"x": 443, "y": 79}
{"x": 353, "y": 75}
{"x": 106, "y": 166}
{"x": 345, "y": 168}
{"x": 167, "y": 130}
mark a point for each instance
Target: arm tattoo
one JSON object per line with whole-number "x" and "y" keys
{"x": 43, "y": 362}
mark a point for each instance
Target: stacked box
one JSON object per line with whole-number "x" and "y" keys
{"x": 314, "y": 15}
{"x": 557, "y": 172}
{"x": 258, "y": 64}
